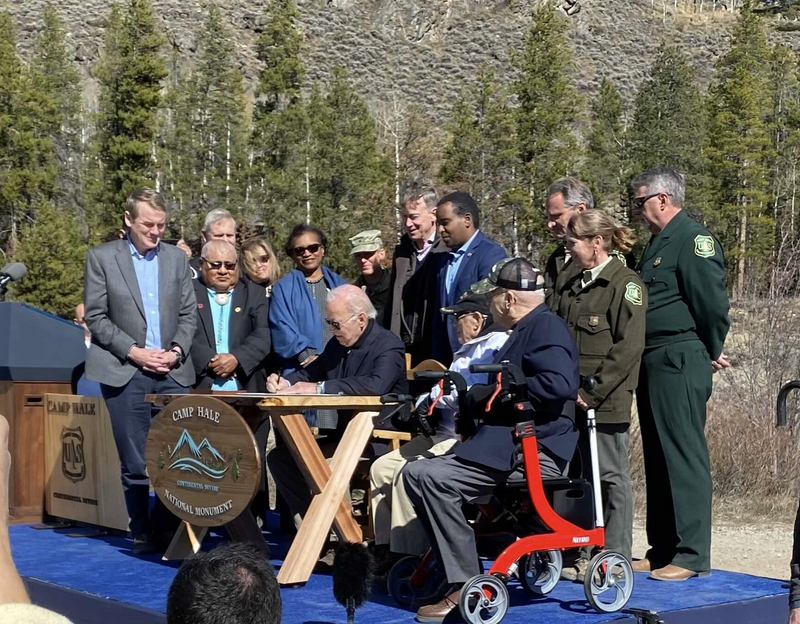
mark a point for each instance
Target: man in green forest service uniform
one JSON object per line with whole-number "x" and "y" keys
{"x": 687, "y": 321}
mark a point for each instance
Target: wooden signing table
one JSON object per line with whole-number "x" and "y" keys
{"x": 328, "y": 482}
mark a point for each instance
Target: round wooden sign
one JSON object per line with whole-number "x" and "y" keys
{"x": 203, "y": 460}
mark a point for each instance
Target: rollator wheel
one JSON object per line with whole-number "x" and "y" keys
{"x": 483, "y": 600}
{"x": 609, "y": 581}
{"x": 399, "y": 583}
{"x": 539, "y": 571}
{"x": 399, "y": 580}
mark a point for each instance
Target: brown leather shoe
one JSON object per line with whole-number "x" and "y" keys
{"x": 642, "y": 565}
{"x": 437, "y": 612}
{"x": 675, "y": 573}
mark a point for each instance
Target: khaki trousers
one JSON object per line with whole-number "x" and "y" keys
{"x": 394, "y": 519}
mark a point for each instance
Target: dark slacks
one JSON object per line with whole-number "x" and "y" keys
{"x": 613, "y": 444}
{"x": 674, "y": 386}
{"x": 130, "y": 423}
{"x": 439, "y": 486}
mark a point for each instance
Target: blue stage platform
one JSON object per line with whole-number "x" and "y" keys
{"x": 69, "y": 573}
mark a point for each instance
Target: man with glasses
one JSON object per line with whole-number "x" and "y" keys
{"x": 141, "y": 312}
{"x": 232, "y": 340}
{"x": 362, "y": 359}
{"x": 368, "y": 254}
{"x": 686, "y": 325}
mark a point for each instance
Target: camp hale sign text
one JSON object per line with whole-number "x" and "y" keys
{"x": 203, "y": 460}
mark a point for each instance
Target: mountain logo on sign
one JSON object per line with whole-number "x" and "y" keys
{"x": 204, "y": 459}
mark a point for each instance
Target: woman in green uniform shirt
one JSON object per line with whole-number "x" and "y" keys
{"x": 604, "y": 306}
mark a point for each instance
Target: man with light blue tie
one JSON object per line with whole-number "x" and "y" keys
{"x": 140, "y": 311}
{"x": 471, "y": 258}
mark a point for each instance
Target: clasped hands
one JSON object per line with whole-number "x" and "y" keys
{"x": 153, "y": 360}
{"x": 276, "y": 383}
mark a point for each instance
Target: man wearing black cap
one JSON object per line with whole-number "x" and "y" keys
{"x": 541, "y": 345}
{"x": 394, "y": 518}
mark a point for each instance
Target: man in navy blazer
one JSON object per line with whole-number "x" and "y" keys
{"x": 541, "y": 345}
{"x": 471, "y": 258}
{"x": 362, "y": 359}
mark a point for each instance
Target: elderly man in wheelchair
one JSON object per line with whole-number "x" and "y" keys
{"x": 542, "y": 347}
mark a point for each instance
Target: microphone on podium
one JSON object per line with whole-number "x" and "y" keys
{"x": 12, "y": 272}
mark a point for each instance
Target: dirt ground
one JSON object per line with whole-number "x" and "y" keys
{"x": 759, "y": 546}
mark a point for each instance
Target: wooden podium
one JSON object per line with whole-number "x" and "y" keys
{"x": 38, "y": 354}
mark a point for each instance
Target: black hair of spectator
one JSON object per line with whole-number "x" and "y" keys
{"x": 300, "y": 229}
{"x": 463, "y": 203}
{"x": 232, "y": 584}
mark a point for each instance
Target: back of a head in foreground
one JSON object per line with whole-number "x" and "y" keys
{"x": 232, "y": 584}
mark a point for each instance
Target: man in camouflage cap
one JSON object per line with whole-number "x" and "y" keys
{"x": 686, "y": 325}
{"x": 369, "y": 254}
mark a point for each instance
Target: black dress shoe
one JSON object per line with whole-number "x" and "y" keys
{"x": 144, "y": 545}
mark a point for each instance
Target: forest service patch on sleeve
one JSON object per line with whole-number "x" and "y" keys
{"x": 704, "y": 246}
{"x": 633, "y": 293}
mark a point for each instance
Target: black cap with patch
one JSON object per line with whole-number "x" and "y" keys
{"x": 510, "y": 273}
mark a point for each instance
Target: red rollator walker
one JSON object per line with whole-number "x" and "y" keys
{"x": 536, "y": 560}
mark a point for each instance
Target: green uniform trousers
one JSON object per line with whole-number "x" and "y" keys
{"x": 674, "y": 386}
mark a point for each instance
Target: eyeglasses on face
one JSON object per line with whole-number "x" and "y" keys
{"x": 312, "y": 249}
{"x": 262, "y": 259}
{"x": 639, "y": 202}
{"x": 216, "y": 266}
{"x": 337, "y": 325}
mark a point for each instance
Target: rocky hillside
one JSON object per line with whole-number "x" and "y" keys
{"x": 421, "y": 50}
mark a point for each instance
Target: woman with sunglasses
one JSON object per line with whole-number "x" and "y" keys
{"x": 297, "y": 309}
{"x": 259, "y": 263}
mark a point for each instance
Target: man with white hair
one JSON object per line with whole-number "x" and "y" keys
{"x": 541, "y": 345}
{"x": 362, "y": 358}
{"x": 219, "y": 225}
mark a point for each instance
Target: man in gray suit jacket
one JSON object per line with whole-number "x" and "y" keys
{"x": 140, "y": 309}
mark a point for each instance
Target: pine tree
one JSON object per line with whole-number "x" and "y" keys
{"x": 668, "y": 122}
{"x": 130, "y": 74}
{"x": 206, "y": 142}
{"x": 54, "y": 77}
{"x": 548, "y": 107}
{"x": 53, "y": 250}
{"x": 350, "y": 181}
{"x": 27, "y": 165}
{"x": 483, "y": 156}
{"x": 740, "y": 150}
{"x": 604, "y": 170}
{"x": 279, "y": 175}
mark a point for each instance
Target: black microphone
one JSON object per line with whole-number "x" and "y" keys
{"x": 12, "y": 273}
{"x": 353, "y": 567}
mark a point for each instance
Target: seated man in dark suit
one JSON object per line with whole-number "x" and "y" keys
{"x": 362, "y": 358}
{"x": 231, "y": 342}
{"x": 542, "y": 346}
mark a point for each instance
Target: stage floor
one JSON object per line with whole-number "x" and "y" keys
{"x": 103, "y": 566}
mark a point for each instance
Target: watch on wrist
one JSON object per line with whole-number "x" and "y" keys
{"x": 177, "y": 351}
{"x": 320, "y": 387}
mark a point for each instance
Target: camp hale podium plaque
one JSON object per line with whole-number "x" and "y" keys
{"x": 203, "y": 461}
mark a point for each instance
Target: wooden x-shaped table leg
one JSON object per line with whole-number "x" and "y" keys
{"x": 328, "y": 483}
